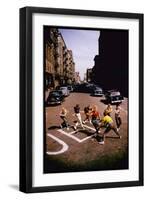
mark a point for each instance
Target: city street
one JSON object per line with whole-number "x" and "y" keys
{"x": 69, "y": 150}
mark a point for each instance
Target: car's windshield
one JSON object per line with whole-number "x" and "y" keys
{"x": 116, "y": 97}
{"x": 63, "y": 88}
{"x": 54, "y": 94}
{"x": 98, "y": 90}
{"x": 60, "y": 92}
{"x": 115, "y": 94}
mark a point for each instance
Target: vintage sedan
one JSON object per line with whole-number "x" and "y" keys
{"x": 114, "y": 97}
{"x": 97, "y": 92}
{"x": 65, "y": 91}
{"x": 54, "y": 98}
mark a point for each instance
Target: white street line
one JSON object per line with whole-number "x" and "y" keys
{"x": 64, "y": 146}
{"x": 87, "y": 138}
{"x": 74, "y": 137}
{"x": 93, "y": 129}
{"x": 73, "y": 132}
{"x": 69, "y": 135}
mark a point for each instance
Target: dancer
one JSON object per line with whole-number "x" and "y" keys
{"x": 108, "y": 124}
{"x": 95, "y": 118}
{"x": 87, "y": 114}
{"x": 117, "y": 117}
{"x": 78, "y": 116}
{"x": 63, "y": 115}
{"x": 108, "y": 110}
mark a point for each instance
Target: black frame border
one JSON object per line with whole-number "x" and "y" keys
{"x": 25, "y": 99}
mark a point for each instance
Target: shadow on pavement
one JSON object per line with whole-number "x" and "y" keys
{"x": 53, "y": 127}
{"x": 104, "y": 101}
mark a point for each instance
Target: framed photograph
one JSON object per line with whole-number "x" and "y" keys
{"x": 81, "y": 99}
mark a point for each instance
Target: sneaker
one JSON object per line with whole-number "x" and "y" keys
{"x": 118, "y": 129}
{"x": 101, "y": 142}
{"x": 95, "y": 134}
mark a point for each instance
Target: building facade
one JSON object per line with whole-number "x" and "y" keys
{"x": 70, "y": 67}
{"x": 50, "y": 40}
{"x": 77, "y": 77}
{"x": 89, "y": 75}
{"x": 59, "y": 63}
{"x": 111, "y": 65}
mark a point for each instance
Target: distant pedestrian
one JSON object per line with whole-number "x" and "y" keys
{"x": 108, "y": 110}
{"x": 63, "y": 116}
{"x": 95, "y": 118}
{"x": 87, "y": 110}
{"x": 118, "y": 117}
{"x": 78, "y": 117}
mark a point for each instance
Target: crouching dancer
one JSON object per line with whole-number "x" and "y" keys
{"x": 108, "y": 124}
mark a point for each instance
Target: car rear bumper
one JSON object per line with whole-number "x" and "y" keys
{"x": 54, "y": 103}
{"x": 117, "y": 101}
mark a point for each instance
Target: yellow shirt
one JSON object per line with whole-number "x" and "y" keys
{"x": 107, "y": 119}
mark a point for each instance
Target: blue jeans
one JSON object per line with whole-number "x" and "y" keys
{"x": 95, "y": 123}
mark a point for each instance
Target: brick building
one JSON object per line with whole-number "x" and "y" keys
{"x": 58, "y": 60}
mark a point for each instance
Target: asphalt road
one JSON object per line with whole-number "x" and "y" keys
{"x": 69, "y": 150}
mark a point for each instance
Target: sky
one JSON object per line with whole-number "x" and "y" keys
{"x": 84, "y": 45}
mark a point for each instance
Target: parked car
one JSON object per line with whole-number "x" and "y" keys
{"x": 70, "y": 88}
{"x": 65, "y": 91}
{"x": 97, "y": 92}
{"x": 82, "y": 87}
{"x": 55, "y": 98}
{"x": 108, "y": 92}
{"x": 61, "y": 94}
{"x": 58, "y": 87}
{"x": 90, "y": 86}
{"x": 113, "y": 97}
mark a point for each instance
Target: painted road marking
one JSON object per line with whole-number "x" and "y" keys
{"x": 70, "y": 135}
{"x": 64, "y": 146}
{"x": 74, "y": 137}
{"x": 93, "y": 129}
{"x": 73, "y": 132}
